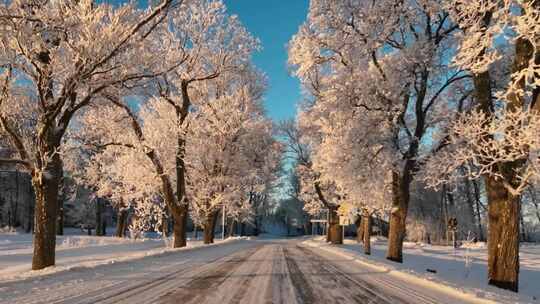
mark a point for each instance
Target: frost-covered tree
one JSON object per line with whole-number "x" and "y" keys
{"x": 207, "y": 44}
{"x": 499, "y": 139}
{"x": 230, "y": 155}
{"x": 318, "y": 196}
{"x": 379, "y": 76}
{"x": 63, "y": 55}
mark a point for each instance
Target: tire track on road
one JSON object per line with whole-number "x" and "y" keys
{"x": 385, "y": 281}
{"x": 247, "y": 279}
{"x": 204, "y": 283}
{"x": 304, "y": 291}
{"x": 341, "y": 286}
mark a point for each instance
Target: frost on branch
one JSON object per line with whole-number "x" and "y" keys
{"x": 479, "y": 144}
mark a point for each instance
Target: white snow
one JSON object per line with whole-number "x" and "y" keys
{"x": 463, "y": 269}
{"x": 461, "y": 272}
{"x": 104, "y": 282}
{"x": 77, "y": 251}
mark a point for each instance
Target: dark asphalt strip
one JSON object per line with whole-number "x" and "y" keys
{"x": 303, "y": 290}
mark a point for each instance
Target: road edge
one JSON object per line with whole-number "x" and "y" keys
{"x": 440, "y": 286}
{"x": 157, "y": 252}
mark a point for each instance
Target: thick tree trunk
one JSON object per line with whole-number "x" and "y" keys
{"x": 503, "y": 236}
{"x": 367, "y": 223}
{"x": 46, "y": 184}
{"x": 398, "y": 217}
{"x": 209, "y": 227}
{"x": 335, "y": 231}
{"x": 179, "y": 227}
{"x": 180, "y": 212}
{"x": 121, "y": 223}
{"x": 503, "y": 207}
{"x": 503, "y": 212}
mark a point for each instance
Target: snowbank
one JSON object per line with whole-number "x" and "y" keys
{"x": 463, "y": 270}
{"x": 79, "y": 251}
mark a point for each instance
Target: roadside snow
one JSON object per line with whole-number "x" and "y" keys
{"x": 464, "y": 270}
{"x": 79, "y": 251}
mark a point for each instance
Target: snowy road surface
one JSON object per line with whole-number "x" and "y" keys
{"x": 243, "y": 271}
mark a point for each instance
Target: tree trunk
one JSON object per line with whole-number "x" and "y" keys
{"x": 478, "y": 212}
{"x": 180, "y": 214}
{"x": 398, "y": 217}
{"x": 359, "y": 230}
{"x": 164, "y": 226}
{"x": 179, "y": 228}
{"x": 46, "y": 184}
{"x": 503, "y": 207}
{"x": 30, "y": 216}
{"x": 243, "y": 229}
{"x": 534, "y": 202}
{"x": 524, "y": 237}
{"x": 308, "y": 227}
{"x": 121, "y": 223}
{"x": 470, "y": 202}
{"x": 503, "y": 236}
{"x": 256, "y": 230}
{"x": 232, "y": 225}
{"x": 335, "y": 231}
{"x": 99, "y": 217}
{"x": 209, "y": 227}
{"x": 60, "y": 217}
{"x": 367, "y": 223}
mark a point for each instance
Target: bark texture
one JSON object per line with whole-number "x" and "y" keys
{"x": 121, "y": 223}
{"x": 398, "y": 217}
{"x": 367, "y": 223}
{"x": 100, "y": 225}
{"x": 503, "y": 237}
{"x": 209, "y": 227}
{"x": 231, "y": 228}
{"x": 335, "y": 231}
{"x": 179, "y": 227}
{"x": 359, "y": 230}
{"x": 60, "y": 218}
{"x": 46, "y": 184}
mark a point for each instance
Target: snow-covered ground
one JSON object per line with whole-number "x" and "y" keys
{"x": 76, "y": 250}
{"x": 464, "y": 269}
{"x": 261, "y": 270}
{"x": 461, "y": 272}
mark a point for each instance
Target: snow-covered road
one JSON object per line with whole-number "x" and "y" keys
{"x": 242, "y": 271}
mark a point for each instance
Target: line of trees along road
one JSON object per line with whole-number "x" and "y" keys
{"x": 159, "y": 110}
{"x": 156, "y": 109}
{"x": 403, "y": 93}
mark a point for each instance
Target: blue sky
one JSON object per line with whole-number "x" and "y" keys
{"x": 274, "y": 23}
